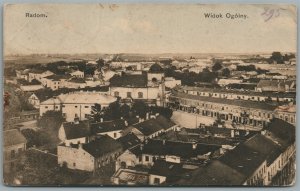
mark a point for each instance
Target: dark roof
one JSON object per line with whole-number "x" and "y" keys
{"x": 77, "y": 80}
{"x": 27, "y": 83}
{"x": 58, "y": 77}
{"x": 102, "y": 145}
{"x": 248, "y": 156}
{"x": 38, "y": 71}
{"x": 156, "y": 68}
{"x": 215, "y": 173}
{"x": 172, "y": 171}
{"x": 176, "y": 148}
{"x": 13, "y": 137}
{"x": 151, "y": 126}
{"x": 129, "y": 140}
{"x": 241, "y": 103}
{"x": 76, "y": 130}
{"x": 43, "y": 94}
{"x": 281, "y": 132}
{"x": 107, "y": 126}
{"x": 135, "y": 80}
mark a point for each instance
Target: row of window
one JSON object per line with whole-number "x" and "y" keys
{"x": 129, "y": 94}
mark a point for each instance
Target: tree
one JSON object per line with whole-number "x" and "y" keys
{"x": 125, "y": 111}
{"x": 217, "y": 66}
{"x": 226, "y": 72}
{"x": 96, "y": 113}
{"x": 277, "y": 57}
{"x": 100, "y": 63}
{"x": 113, "y": 111}
{"x": 140, "y": 108}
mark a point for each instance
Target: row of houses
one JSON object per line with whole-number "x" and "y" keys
{"x": 90, "y": 146}
{"x": 254, "y": 162}
{"x": 244, "y": 112}
{"x": 239, "y": 95}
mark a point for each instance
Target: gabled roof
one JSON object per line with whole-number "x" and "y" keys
{"x": 101, "y": 146}
{"x": 151, "y": 126}
{"x": 43, "y": 95}
{"x": 76, "y": 130}
{"x": 108, "y": 126}
{"x": 128, "y": 141}
{"x": 13, "y": 137}
{"x": 135, "y": 80}
{"x": 281, "y": 132}
{"x": 215, "y": 173}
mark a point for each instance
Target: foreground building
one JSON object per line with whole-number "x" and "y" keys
{"x": 89, "y": 156}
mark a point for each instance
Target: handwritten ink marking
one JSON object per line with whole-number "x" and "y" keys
{"x": 271, "y": 13}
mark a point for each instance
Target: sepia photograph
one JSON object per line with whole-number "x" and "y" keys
{"x": 182, "y": 95}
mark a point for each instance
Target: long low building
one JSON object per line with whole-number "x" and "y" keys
{"x": 239, "y": 95}
{"x": 244, "y": 112}
{"x": 76, "y": 105}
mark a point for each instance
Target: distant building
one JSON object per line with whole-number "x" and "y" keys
{"x": 77, "y": 74}
{"x": 37, "y": 97}
{"x": 286, "y": 113}
{"x": 22, "y": 74}
{"x": 239, "y": 112}
{"x": 90, "y": 156}
{"x": 38, "y": 74}
{"x": 14, "y": 144}
{"x": 224, "y": 82}
{"x": 76, "y": 105}
{"x": 276, "y": 86}
{"x": 32, "y": 86}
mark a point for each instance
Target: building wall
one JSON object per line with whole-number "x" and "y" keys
{"x": 286, "y": 116}
{"x": 49, "y": 107}
{"x": 148, "y": 93}
{"x": 153, "y": 178}
{"x": 75, "y": 158}
{"x": 33, "y": 100}
{"x": 127, "y": 158}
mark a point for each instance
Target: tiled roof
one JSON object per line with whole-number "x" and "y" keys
{"x": 128, "y": 141}
{"x": 101, "y": 146}
{"x": 151, "y": 126}
{"x": 13, "y": 137}
{"x": 76, "y": 130}
{"x": 107, "y": 126}
{"x": 129, "y": 80}
{"x": 241, "y": 103}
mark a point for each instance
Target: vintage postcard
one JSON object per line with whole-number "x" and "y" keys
{"x": 149, "y": 95}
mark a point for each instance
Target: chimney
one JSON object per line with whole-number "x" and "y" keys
{"x": 80, "y": 146}
{"x": 101, "y": 120}
{"x": 147, "y": 115}
{"x": 141, "y": 147}
{"x": 194, "y": 145}
{"x": 121, "y": 117}
{"x": 126, "y": 123}
{"x": 164, "y": 142}
{"x": 157, "y": 114}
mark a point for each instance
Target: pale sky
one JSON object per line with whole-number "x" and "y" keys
{"x": 95, "y": 28}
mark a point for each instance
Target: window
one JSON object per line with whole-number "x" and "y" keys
{"x": 86, "y": 106}
{"x": 156, "y": 180}
{"x": 64, "y": 114}
{"x": 75, "y": 106}
{"x": 12, "y": 154}
{"x": 86, "y": 115}
{"x": 146, "y": 158}
{"x": 140, "y": 94}
{"x": 128, "y": 94}
{"x": 20, "y": 150}
{"x": 56, "y": 107}
{"x": 115, "y": 135}
{"x": 74, "y": 164}
{"x": 46, "y": 107}
{"x": 116, "y": 94}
